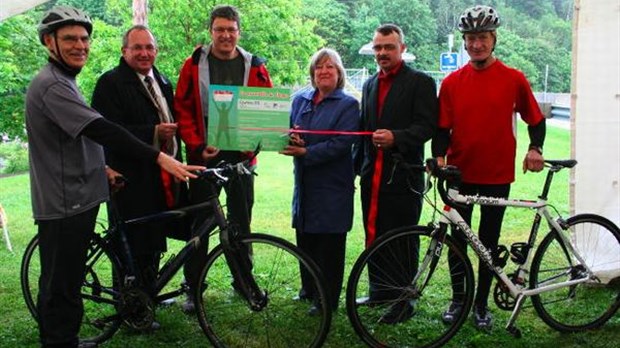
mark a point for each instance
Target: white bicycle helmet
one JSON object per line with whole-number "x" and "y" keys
{"x": 478, "y": 19}
{"x": 60, "y": 16}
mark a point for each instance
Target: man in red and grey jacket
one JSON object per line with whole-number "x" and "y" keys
{"x": 221, "y": 62}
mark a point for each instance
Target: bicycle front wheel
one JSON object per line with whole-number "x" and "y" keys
{"x": 226, "y": 317}
{"x": 396, "y": 295}
{"x": 586, "y": 305}
{"x": 99, "y": 296}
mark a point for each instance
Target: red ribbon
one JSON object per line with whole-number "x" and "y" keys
{"x": 304, "y": 131}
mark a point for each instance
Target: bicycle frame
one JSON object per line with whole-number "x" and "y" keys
{"x": 450, "y": 215}
{"x": 216, "y": 220}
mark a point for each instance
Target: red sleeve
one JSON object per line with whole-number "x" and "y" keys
{"x": 445, "y": 105}
{"x": 187, "y": 108}
{"x": 527, "y": 106}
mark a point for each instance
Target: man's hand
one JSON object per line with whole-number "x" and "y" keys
{"x": 177, "y": 169}
{"x": 293, "y": 150}
{"x": 112, "y": 175}
{"x": 441, "y": 161}
{"x": 533, "y": 161}
{"x": 209, "y": 152}
{"x": 383, "y": 138}
{"x": 166, "y": 131}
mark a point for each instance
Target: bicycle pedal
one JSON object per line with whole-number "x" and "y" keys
{"x": 501, "y": 256}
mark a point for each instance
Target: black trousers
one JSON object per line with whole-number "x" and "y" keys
{"x": 63, "y": 244}
{"x": 392, "y": 268}
{"x": 327, "y": 250}
{"x": 491, "y": 218}
{"x": 239, "y": 203}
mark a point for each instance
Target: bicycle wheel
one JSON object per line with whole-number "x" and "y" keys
{"x": 403, "y": 281}
{"x": 226, "y": 317}
{"x": 100, "y": 293}
{"x": 586, "y": 305}
{"x": 100, "y": 320}
{"x": 29, "y": 275}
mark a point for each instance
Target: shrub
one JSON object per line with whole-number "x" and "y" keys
{"x": 13, "y": 157}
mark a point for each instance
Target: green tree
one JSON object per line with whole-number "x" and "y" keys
{"x": 272, "y": 29}
{"x": 332, "y": 22}
{"x": 21, "y": 55}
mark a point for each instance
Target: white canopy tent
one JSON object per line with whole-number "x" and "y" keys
{"x": 9, "y": 8}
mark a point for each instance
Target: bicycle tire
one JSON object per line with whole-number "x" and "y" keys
{"x": 99, "y": 296}
{"x": 226, "y": 317}
{"x": 586, "y": 305}
{"x": 425, "y": 327}
{"x": 30, "y": 270}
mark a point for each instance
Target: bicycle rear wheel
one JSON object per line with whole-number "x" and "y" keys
{"x": 586, "y": 305}
{"x": 403, "y": 280}
{"x": 227, "y": 319}
{"x": 29, "y": 275}
{"x": 100, "y": 320}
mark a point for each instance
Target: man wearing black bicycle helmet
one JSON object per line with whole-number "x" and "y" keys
{"x": 477, "y": 115}
{"x": 68, "y": 177}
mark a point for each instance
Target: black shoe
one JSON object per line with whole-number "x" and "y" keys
{"x": 367, "y": 301}
{"x": 188, "y": 307}
{"x": 452, "y": 312}
{"x": 398, "y": 313}
{"x": 155, "y": 326}
{"x": 302, "y": 297}
{"x": 314, "y": 311}
{"x": 483, "y": 320}
{"x": 167, "y": 303}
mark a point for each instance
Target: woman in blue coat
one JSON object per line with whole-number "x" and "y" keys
{"x": 323, "y": 165}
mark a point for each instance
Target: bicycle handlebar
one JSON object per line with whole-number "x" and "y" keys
{"x": 224, "y": 171}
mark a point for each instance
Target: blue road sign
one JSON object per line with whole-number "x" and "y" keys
{"x": 448, "y": 61}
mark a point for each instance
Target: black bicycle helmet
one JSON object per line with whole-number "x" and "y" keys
{"x": 60, "y": 16}
{"x": 478, "y": 19}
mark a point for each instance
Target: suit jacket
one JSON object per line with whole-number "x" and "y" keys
{"x": 121, "y": 97}
{"x": 410, "y": 112}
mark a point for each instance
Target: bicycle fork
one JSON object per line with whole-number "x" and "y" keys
{"x": 238, "y": 258}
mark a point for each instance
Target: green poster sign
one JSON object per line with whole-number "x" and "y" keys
{"x": 242, "y": 117}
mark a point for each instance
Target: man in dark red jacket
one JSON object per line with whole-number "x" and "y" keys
{"x": 221, "y": 62}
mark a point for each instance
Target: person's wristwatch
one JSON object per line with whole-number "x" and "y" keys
{"x": 536, "y": 148}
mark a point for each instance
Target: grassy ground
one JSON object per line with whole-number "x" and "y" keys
{"x": 272, "y": 215}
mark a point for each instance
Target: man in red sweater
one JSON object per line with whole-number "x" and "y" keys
{"x": 477, "y": 124}
{"x": 221, "y": 62}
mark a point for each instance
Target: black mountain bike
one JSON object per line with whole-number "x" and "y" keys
{"x": 258, "y": 311}
{"x": 572, "y": 275}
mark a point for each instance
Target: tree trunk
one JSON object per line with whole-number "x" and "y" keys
{"x": 139, "y": 12}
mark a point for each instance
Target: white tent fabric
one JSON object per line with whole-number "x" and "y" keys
{"x": 9, "y": 8}
{"x": 601, "y": 252}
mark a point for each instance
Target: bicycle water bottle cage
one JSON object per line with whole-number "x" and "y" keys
{"x": 518, "y": 252}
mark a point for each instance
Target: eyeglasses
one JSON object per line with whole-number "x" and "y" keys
{"x": 148, "y": 48}
{"x": 387, "y": 47}
{"x": 73, "y": 39}
{"x": 222, "y": 30}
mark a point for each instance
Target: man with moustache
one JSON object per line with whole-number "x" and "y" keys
{"x": 399, "y": 105}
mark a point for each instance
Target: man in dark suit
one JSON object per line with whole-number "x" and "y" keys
{"x": 399, "y": 105}
{"x": 136, "y": 96}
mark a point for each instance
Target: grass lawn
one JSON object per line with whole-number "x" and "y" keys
{"x": 272, "y": 215}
